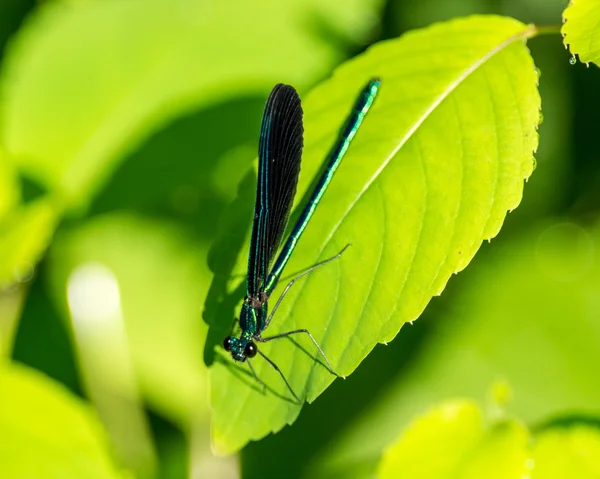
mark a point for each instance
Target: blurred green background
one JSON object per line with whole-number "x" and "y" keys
{"x": 526, "y": 311}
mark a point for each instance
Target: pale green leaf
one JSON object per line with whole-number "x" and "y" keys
{"x": 501, "y": 454}
{"x": 438, "y": 162}
{"x": 562, "y": 452}
{"x": 162, "y": 279}
{"x": 454, "y": 441}
{"x": 581, "y": 29}
{"x": 446, "y": 433}
{"x": 10, "y": 193}
{"x": 84, "y": 82}
{"x": 46, "y": 432}
{"x": 25, "y": 229}
{"x": 451, "y": 441}
{"x": 24, "y": 236}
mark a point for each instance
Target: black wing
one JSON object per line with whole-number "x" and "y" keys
{"x": 279, "y": 154}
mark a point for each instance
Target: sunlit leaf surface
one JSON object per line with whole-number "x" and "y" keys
{"x": 567, "y": 452}
{"x": 452, "y": 441}
{"x": 439, "y": 161}
{"x": 46, "y": 432}
{"x": 581, "y": 29}
{"x": 455, "y": 440}
{"x": 24, "y": 235}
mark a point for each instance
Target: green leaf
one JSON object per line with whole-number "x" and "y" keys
{"x": 84, "y": 82}
{"x": 448, "y": 432}
{"x": 501, "y": 454}
{"x": 567, "y": 452}
{"x": 24, "y": 236}
{"x": 11, "y": 303}
{"x": 581, "y": 30}
{"x": 46, "y": 432}
{"x": 162, "y": 279}
{"x": 438, "y": 162}
{"x": 10, "y": 194}
{"x": 25, "y": 232}
{"x": 451, "y": 441}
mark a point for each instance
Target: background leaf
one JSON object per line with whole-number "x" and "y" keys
{"x": 580, "y": 30}
{"x": 567, "y": 452}
{"x": 437, "y": 164}
{"x": 47, "y": 432}
{"x": 449, "y": 431}
{"x": 165, "y": 338}
{"x": 75, "y": 99}
{"x": 25, "y": 229}
{"x": 10, "y": 192}
{"x": 452, "y": 440}
{"x": 24, "y": 236}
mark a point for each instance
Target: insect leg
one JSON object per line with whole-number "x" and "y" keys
{"x": 281, "y": 374}
{"x": 258, "y": 380}
{"x": 297, "y": 277}
{"x": 298, "y": 331}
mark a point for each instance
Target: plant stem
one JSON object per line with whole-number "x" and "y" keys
{"x": 545, "y": 30}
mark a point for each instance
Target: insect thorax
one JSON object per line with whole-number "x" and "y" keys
{"x": 253, "y": 315}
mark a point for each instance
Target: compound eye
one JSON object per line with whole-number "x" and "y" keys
{"x": 228, "y": 343}
{"x": 250, "y": 350}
